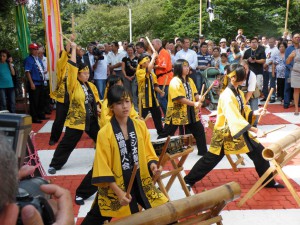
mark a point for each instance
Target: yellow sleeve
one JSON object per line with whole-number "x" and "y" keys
{"x": 176, "y": 90}
{"x": 102, "y": 172}
{"x": 236, "y": 122}
{"x": 140, "y": 76}
{"x": 72, "y": 71}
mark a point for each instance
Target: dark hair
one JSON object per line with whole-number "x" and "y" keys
{"x": 216, "y": 48}
{"x": 178, "y": 67}
{"x": 240, "y": 71}
{"x": 81, "y": 65}
{"x": 115, "y": 43}
{"x": 116, "y": 94}
{"x": 140, "y": 44}
{"x": 203, "y": 43}
{"x": 282, "y": 43}
{"x": 141, "y": 57}
{"x": 112, "y": 80}
{"x": 254, "y": 38}
{"x": 223, "y": 54}
{"x": 5, "y": 51}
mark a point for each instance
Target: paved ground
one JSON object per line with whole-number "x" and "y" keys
{"x": 269, "y": 206}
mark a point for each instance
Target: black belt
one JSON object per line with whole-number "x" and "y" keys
{"x": 159, "y": 75}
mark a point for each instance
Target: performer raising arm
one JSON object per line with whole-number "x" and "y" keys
{"x": 120, "y": 144}
{"x": 231, "y": 131}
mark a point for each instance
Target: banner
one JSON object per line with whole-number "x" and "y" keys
{"x": 54, "y": 44}
{"x": 23, "y": 32}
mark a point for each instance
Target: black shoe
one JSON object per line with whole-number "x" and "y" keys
{"x": 36, "y": 121}
{"x": 275, "y": 185}
{"x": 44, "y": 118}
{"x": 272, "y": 100}
{"x": 188, "y": 187}
{"x": 51, "y": 170}
{"x": 285, "y": 106}
{"x": 263, "y": 99}
{"x": 52, "y": 142}
{"x": 79, "y": 200}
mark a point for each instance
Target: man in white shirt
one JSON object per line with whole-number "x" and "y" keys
{"x": 190, "y": 56}
{"x": 100, "y": 71}
{"x": 270, "y": 51}
{"x": 115, "y": 60}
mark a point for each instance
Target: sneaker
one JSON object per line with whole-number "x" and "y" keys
{"x": 79, "y": 200}
{"x": 51, "y": 170}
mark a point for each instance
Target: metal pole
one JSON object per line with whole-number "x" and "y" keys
{"x": 287, "y": 14}
{"x": 200, "y": 19}
{"x": 130, "y": 27}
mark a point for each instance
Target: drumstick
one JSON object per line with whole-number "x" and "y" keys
{"x": 201, "y": 94}
{"x": 266, "y": 103}
{"x": 147, "y": 117}
{"x": 165, "y": 82}
{"x": 275, "y": 129}
{"x": 150, "y": 44}
{"x": 162, "y": 155}
{"x": 210, "y": 87}
{"x": 65, "y": 37}
{"x": 140, "y": 106}
{"x": 131, "y": 180}
{"x": 73, "y": 24}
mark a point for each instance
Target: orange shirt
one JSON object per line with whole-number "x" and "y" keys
{"x": 165, "y": 67}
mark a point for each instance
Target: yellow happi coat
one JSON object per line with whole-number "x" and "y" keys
{"x": 106, "y": 113}
{"x": 76, "y": 117}
{"x": 141, "y": 76}
{"x": 231, "y": 124}
{"x": 107, "y": 165}
{"x": 61, "y": 76}
{"x": 176, "y": 111}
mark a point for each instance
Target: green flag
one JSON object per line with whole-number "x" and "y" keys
{"x": 22, "y": 28}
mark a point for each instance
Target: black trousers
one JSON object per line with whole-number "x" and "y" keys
{"x": 36, "y": 102}
{"x": 204, "y": 165}
{"x": 156, "y": 116}
{"x": 69, "y": 142}
{"x": 60, "y": 117}
{"x": 196, "y": 129}
{"x": 86, "y": 189}
{"x": 280, "y": 87}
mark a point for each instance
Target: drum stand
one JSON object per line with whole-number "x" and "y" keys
{"x": 175, "y": 172}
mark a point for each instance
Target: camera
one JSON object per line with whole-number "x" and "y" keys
{"x": 253, "y": 57}
{"x": 98, "y": 54}
{"x": 29, "y": 193}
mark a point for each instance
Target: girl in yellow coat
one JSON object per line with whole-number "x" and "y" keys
{"x": 122, "y": 143}
{"x": 231, "y": 131}
{"x": 83, "y": 111}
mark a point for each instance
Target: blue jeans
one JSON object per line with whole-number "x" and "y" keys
{"x": 100, "y": 84}
{"x": 268, "y": 77}
{"x": 8, "y": 93}
{"x": 287, "y": 90}
{"x": 163, "y": 101}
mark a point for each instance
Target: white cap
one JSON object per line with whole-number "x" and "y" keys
{"x": 222, "y": 40}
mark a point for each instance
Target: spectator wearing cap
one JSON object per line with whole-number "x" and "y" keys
{"x": 34, "y": 71}
{"x": 223, "y": 47}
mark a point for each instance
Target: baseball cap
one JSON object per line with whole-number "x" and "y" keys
{"x": 222, "y": 40}
{"x": 33, "y": 46}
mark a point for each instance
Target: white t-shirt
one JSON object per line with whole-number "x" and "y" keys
{"x": 114, "y": 59}
{"x": 100, "y": 73}
{"x": 251, "y": 82}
